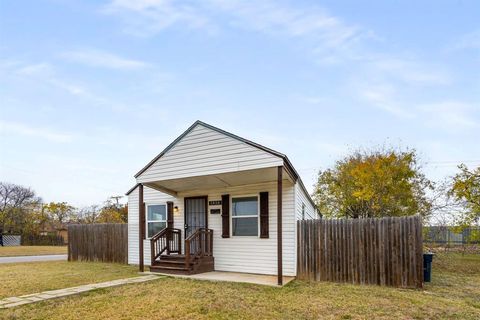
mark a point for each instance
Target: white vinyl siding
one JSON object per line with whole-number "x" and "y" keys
{"x": 150, "y": 196}
{"x": 303, "y": 208}
{"x": 303, "y": 198}
{"x": 204, "y": 151}
{"x": 252, "y": 254}
{"x": 237, "y": 254}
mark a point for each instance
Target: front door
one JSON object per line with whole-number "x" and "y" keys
{"x": 195, "y": 214}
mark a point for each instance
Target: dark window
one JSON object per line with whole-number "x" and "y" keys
{"x": 245, "y": 216}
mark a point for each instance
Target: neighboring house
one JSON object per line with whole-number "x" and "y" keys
{"x": 59, "y": 230}
{"x": 63, "y": 232}
{"x": 214, "y": 201}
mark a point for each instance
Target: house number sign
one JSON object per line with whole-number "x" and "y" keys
{"x": 215, "y": 203}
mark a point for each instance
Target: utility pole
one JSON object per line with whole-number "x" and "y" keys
{"x": 117, "y": 198}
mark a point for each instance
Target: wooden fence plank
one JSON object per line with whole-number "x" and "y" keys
{"x": 98, "y": 242}
{"x": 385, "y": 251}
{"x": 419, "y": 253}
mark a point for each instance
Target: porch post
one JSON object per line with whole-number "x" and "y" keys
{"x": 141, "y": 226}
{"x": 279, "y": 225}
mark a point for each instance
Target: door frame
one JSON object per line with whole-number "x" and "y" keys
{"x": 185, "y": 213}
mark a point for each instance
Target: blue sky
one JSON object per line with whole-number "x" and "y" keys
{"x": 91, "y": 91}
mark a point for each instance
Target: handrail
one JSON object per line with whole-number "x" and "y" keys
{"x": 198, "y": 244}
{"x": 167, "y": 239}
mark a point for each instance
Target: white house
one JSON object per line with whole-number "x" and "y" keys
{"x": 214, "y": 201}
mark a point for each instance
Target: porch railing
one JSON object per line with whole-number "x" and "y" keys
{"x": 167, "y": 240}
{"x": 198, "y": 244}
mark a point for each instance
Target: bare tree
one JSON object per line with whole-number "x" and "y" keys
{"x": 15, "y": 203}
{"x": 89, "y": 214}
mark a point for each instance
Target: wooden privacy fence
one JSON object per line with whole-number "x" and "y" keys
{"x": 383, "y": 251}
{"x": 98, "y": 242}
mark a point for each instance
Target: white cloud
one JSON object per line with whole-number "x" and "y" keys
{"x": 73, "y": 89}
{"x": 96, "y": 58}
{"x": 449, "y": 115}
{"x": 148, "y": 17}
{"x": 392, "y": 83}
{"x": 383, "y": 96}
{"x": 314, "y": 100}
{"x": 274, "y": 17}
{"x": 385, "y": 81}
{"x": 327, "y": 36}
{"x": 453, "y": 116}
{"x": 45, "y": 73}
{"x": 411, "y": 71}
{"x": 26, "y": 130}
{"x": 35, "y": 69}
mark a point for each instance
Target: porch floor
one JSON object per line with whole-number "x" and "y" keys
{"x": 261, "y": 279}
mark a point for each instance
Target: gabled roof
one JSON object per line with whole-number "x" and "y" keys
{"x": 198, "y": 122}
{"x": 288, "y": 165}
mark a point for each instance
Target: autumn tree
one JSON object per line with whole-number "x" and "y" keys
{"x": 374, "y": 184}
{"x": 465, "y": 191}
{"x": 113, "y": 212}
{"x": 59, "y": 212}
{"x": 110, "y": 212}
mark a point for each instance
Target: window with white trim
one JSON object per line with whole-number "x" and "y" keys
{"x": 156, "y": 219}
{"x": 245, "y": 216}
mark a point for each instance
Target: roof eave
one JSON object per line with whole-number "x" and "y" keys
{"x": 131, "y": 189}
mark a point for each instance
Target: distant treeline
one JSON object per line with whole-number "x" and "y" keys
{"x": 23, "y": 212}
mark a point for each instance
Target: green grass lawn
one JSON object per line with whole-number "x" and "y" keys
{"x": 25, "y": 278}
{"x": 453, "y": 294}
{"x": 31, "y": 250}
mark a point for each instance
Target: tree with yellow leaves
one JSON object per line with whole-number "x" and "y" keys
{"x": 465, "y": 191}
{"x": 374, "y": 184}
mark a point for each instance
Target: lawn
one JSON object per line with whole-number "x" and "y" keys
{"x": 31, "y": 250}
{"x": 25, "y": 278}
{"x": 453, "y": 294}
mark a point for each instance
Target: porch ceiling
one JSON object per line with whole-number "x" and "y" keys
{"x": 221, "y": 180}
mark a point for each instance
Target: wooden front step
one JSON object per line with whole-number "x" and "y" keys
{"x": 175, "y": 264}
{"x": 170, "y": 270}
{"x": 171, "y": 263}
{"x": 172, "y": 257}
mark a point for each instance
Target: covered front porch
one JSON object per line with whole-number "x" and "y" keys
{"x": 197, "y": 229}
